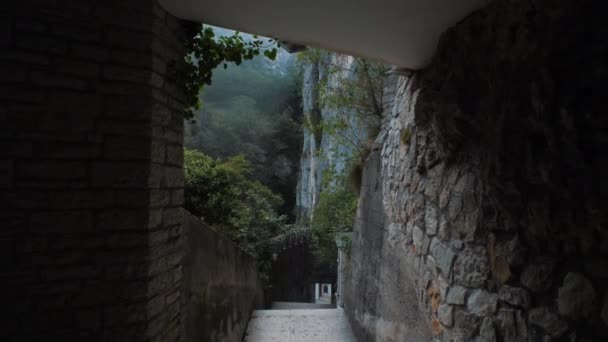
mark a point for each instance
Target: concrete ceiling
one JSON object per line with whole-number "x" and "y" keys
{"x": 399, "y": 32}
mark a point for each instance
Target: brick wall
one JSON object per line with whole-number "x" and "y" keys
{"x": 90, "y": 170}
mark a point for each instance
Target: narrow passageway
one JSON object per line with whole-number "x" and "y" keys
{"x": 299, "y": 322}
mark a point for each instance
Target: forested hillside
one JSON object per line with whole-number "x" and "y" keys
{"x": 254, "y": 109}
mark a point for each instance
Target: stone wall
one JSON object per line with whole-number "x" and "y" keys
{"x": 220, "y": 286}
{"x": 90, "y": 170}
{"x": 484, "y": 193}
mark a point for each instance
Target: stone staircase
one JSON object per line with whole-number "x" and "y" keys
{"x": 299, "y": 322}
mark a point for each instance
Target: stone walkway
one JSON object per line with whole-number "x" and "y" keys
{"x": 305, "y": 325}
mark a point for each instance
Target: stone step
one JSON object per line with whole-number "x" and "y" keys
{"x": 310, "y": 325}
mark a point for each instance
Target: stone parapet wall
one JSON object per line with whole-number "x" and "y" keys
{"x": 484, "y": 194}
{"x": 220, "y": 288}
{"x": 91, "y": 170}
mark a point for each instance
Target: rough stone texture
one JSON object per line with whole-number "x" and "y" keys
{"x": 481, "y": 303}
{"x": 548, "y": 321}
{"x": 323, "y": 152}
{"x": 91, "y": 189}
{"x": 538, "y": 275}
{"x": 471, "y": 267}
{"x": 379, "y": 298}
{"x": 217, "y": 302}
{"x": 507, "y": 145}
{"x": 456, "y": 295}
{"x": 576, "y": 297}
{"x": 445, "y": 313}
{"x": 307, "y": 325}
{"x": 514, "y": 295}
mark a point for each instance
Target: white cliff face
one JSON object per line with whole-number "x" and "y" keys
{"x": 322, "y": 151}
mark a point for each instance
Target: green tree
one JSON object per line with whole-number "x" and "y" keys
{"x": 254, "y": 110}
{"x": 333, "y": 216}
{"x": 223, "y": 194}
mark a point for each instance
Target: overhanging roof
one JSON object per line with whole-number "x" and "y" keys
{"x": 399, "y": 32}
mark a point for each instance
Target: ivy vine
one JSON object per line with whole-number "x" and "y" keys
{"x": 206, "y": 51}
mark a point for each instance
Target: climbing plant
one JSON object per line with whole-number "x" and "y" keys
{"x": 334, "y": 216}
{"x": 354, "y": 93}
{"x": 206, "y": 51}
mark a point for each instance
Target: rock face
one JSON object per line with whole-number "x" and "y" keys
{"x": 322, "y": 151}
{"x": 576, "y": 297}
{"x": 488, "y": 175}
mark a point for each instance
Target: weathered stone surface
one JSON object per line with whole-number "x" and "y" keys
{"x": 538, "y": 276}
{"x": 505, "y": 322}
{"x": 482, "y": 303}
{"x": 426, "y": 243}
{"x": 431, "y": 221}
{"x": 487, "y": 333}
{"x": 548, "y": 321}
{"x": 443, "y": 287}
{"x": 445, "y": 313}
{"x": 456, "y": 295}
{"x": 418, "y": 238}
{"x": 444, "y": 256}
{"x": 514, "y": 295}
{"x": 471, "y": 267}
{"x": 576, "y": 297}
{"x": 466, "y": 324}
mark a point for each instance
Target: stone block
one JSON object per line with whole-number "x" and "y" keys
{"x": 127, "y": 148}
{"x": 123, "y": 174}
{"x": 456, "y": 295}
{"x": 576, "y": 297}
{"x": 514, "y": 295}
{"x": 507, "y": 327}
{"x": 471, "y": 267}
{"x": 482, "y": 303}
{"x": 47, "y": 79}
{"x": 158, "y": 151}
{"x": 177, "y": 197}
{"x": 466, "y": 324}
{"x": 175, "y": 155}
{"x": 160, "y": 198}
{"x": 53, "y": 170}
{"x": 445, "y": 314}
{"x": 487, "y": 332}
{"x": 133, "y": 75}
{"x": 443, "y": 255}
{"x": 61, "y": 222}
{"x": 122, "y": 219}
{"x": 538, "y": 276}
{"x": 549, "y": 321}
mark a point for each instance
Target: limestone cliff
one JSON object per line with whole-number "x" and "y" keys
{"x": 322, "y": 151}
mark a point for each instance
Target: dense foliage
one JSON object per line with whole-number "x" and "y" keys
{"x": 254, "y": 110}
{"x": 333, "y": 216}
{"x": 206, "y": 52}
{"x": 224, "y": 195}
{"x": 351, "y": 92}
